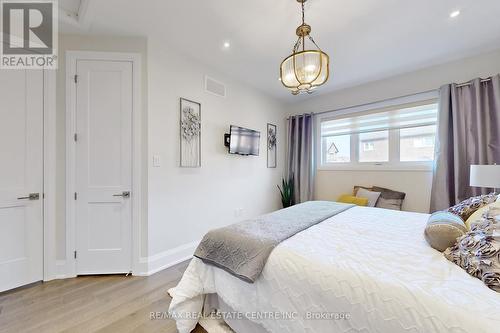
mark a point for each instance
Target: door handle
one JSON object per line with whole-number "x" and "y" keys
{"x": 124, "y": 194}
{"x": 31, "y": 196}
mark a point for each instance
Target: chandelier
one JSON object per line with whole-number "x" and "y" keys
{"x": 304, "y": 69}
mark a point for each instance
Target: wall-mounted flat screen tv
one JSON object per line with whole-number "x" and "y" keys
{"x": 244, "y": 141}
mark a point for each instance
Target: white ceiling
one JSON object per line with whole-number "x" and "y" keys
{"x": 367, "y": 40}
{"x": 71, "y": 6}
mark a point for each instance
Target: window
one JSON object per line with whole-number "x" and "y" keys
{"x": 338, "y": 149}
{"x": 417, "y": 144}
{"x": 399, "y": 136}
{"x": 377, "y": 144}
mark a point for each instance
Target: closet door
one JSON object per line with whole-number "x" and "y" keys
{"x": 103, "y": 167}
{"x": 21, "y": 171}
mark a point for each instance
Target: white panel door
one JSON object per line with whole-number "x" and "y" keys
{"x": 103, "y": 167}
{"x": 21, "y": 170}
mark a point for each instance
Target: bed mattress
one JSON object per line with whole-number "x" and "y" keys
{"x": 363, "y": 270}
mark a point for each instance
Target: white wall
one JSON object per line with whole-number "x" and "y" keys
{"x": 417, "y": 185}
{"x": 484, "y": 65}
{"x": 185, "y": 203}
{"x": 180, "y": 204}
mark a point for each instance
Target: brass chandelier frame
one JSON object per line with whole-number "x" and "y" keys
{"x": 303, "y": 31}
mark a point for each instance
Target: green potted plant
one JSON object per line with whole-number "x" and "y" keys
{"x": 286, "y": 191}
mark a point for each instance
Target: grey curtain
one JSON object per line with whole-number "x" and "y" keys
{"x": 300, "y": 155}
{"x": 468, "y": 133}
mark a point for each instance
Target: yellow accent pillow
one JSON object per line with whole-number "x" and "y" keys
{"x": 347, "y": 198}
{"x": 479, "y": 213}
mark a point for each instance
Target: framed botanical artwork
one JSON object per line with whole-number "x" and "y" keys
{"x": 190, "y": 130}
{"x": 271, "y": 146}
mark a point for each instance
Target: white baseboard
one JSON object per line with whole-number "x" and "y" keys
{"x": 166, "y": 259}
{"x": 61, "y": 269}
{"x": 146, "y": 266}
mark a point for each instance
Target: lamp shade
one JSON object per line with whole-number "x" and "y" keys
{"x": 305, "y": 70}
{"x": 485, "y": 176}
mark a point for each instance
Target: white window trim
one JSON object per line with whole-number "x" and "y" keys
{"x": 379, "y": 166}
{"x": 424, "y": 166}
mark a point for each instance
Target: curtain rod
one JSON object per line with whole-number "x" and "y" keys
{"x": 375, "y": 102}
{"x": 393, "y": 98}
{"x": 470, "y": 82}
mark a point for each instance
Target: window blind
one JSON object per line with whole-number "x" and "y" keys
{"x": 382, "y": 120}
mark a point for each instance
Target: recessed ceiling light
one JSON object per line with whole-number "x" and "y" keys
{"x": 226, "y": 45}
{"x": 454, "y": 13}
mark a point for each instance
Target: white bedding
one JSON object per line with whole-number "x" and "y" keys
{"x": 371, "y": 263}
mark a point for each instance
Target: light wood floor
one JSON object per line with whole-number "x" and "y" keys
{"x": 91, "y": 304}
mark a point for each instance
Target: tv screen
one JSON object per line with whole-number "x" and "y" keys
{"x": 244, "y": 141}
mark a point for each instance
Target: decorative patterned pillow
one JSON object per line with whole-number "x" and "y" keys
{"x": 478, "y": 251}
{"x": 443, "y": 229}
{"x": 478, "y": 214}
{"x": 467, "y": 207}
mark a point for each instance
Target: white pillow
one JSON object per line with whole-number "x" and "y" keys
{"x": 370, "y": 195}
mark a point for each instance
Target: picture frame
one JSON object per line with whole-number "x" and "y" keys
{"x": 271, "y": 144}
{"x": 190, "y": 133}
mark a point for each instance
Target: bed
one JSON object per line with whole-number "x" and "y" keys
{"x": 362, "y": 270}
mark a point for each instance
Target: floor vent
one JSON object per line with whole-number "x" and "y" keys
{"x": 215, "y": 87}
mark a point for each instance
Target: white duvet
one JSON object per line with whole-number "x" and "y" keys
{"x": 369, "y": 263}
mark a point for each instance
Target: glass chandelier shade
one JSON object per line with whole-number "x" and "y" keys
{"x": 305, "y": 69}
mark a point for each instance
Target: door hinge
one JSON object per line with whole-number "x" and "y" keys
{"x": 75, "y": 137}
{"x": 76, "y": 78}
{"x": 74, "y": 254}
{"x": 76, "y": 195}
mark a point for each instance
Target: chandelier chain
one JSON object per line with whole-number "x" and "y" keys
{"x": 297, "y": 45}
{"x": 305, "y": 69}
{"x": 303, "y": 15}
{"x": 312, "y": 40}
